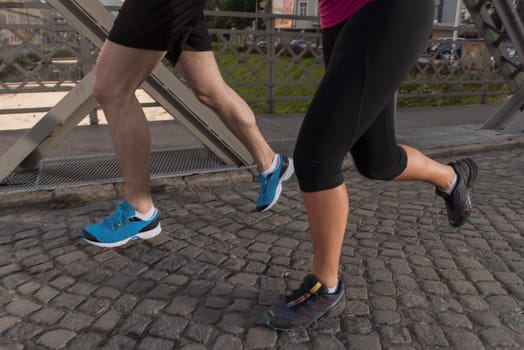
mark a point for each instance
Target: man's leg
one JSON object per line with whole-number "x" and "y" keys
{"x": 118, "y": 73}
{"x": 200, "y": 70}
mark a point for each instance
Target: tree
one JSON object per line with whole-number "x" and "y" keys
{"x": 231, "y": 5}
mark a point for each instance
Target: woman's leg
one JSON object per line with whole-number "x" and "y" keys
{"x": 422, "y": 168}
{"x": 369, "y": 58}
{"x": 327, "y": 230}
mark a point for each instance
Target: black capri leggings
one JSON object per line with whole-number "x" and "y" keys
{"x": 367, "y": 57}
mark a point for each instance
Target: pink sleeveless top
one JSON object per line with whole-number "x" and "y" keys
{"x": 333, "y": 12}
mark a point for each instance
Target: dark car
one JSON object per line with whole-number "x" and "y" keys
{"x": 442, "y": 48}
{"x": 298, "y": 46}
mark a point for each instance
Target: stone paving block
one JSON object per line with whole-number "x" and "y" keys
{"x": 67, "y": 300}
{"x": 395, "y": 335}
{"x": 7, "y": 322}
{"x": 233, "y": 322}
{"x": 107, "y": 292}
{"x": 169, "y": 327}
{"x": 387, "y": 317}
{"x": 435, "y": 287}
{"x": 357, "y": 325}
{"x": 150, "y": 306}
{"x": 503, "y": 304}
{"x": 384, "y": 303}
{"x": 484, "y": 319}
{"x": 261, "y": 337}
{"x": 357, "y": 342}
{"x": 451, "y": 274}
{"x": 56, "y": 339}
{"x": 7, "y": 345}
{"x": 94, "y": 306}
{"x": 62, "y": 282}
{"x": 430, "y": 335}
{"x": 119, "y": 342}
{"x": 474, "y": 302}
{"x": 86, "y": 341}
{"x": 13, "y": 280}
{"x": 151, "y": 343}
{"x": 135, "y": 324}
{"x": 182, "y": 305}
{"x": 479, "y": 275}
{"x": 327, "y": 343}
{"x": 426, "y": 273}
{"x": 244, "y": 279}
{"x": 497, "y": 338}
{"x": 8, "y": 269}
{"x": 463, "y": 287}
{"x": 45, "y": 294}
{"x": 384, "y": 288}
{"x": 357, "y": 308}
{"x": 108, "y": 321}
{"x": 490, "y": 288}
{"x": 226, "y": 341}
{"x": 76, "y": 321}
{"x": 198, "y": 332}
{"x": 29, "y": 287}
{"x": 464, "y": 340}
{"x": 193, "y": 347}
{"x": 47, "y": 316}
{"x": 454, "y": 320}
{"x": 21, "y": 307}
{"x": 399, "y": 266}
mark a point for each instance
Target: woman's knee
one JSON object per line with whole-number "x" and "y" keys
{"x": 317, "y": 174}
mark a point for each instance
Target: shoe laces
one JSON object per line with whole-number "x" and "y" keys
{"x": 263, "y": 180}
{"x": 118, "y": 218}
{"x": 300, "y": 295}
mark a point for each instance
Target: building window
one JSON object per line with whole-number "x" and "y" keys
{"x": 302, "y": 8}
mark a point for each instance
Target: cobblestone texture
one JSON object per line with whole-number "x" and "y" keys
{"x": 413, "y": 282}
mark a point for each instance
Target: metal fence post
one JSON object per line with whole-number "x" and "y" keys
{"x": 86, "y": 65}
{"x": 270, "y": 30}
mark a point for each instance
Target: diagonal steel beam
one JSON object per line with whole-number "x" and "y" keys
{"x": 509, "y": 117}
{"x": 92, "y": 20}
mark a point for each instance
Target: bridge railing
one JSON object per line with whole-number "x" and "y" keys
{"x": 275, "y": 62}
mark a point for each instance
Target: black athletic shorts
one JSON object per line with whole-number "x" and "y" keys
{"x": 163, "y": 25}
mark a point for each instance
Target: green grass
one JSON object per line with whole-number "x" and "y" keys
{"x": 250, "y": 68}
{"x": 253, "y": 70}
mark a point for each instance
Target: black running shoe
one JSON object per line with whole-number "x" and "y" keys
{"x": 305, "y": 305}
{"x": 458, "y": 203}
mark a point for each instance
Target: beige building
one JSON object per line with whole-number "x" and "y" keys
{"x": 298, "y": 8}
{"x": 21, "y": 16}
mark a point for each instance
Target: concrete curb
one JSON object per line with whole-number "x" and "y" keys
{"x": 79, "y": 195}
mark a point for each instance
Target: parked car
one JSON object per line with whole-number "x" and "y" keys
{"x": 512, "y": 54}
{"x": 442, "y": 48}
{"x": 297, "y": 46}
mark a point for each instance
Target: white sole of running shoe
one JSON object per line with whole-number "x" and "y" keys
{"x": 286, "y": 176}
{"x": 141, "y": 236}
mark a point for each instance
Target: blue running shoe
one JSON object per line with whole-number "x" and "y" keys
{"x": 121, "y": 227}
{"x": 271, "y": 185}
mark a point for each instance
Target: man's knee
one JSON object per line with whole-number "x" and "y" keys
{"x": 212, "y": 96}
{"x": 106, "y": 93}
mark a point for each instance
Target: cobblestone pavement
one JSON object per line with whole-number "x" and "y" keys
{"x": 413, "y": 281}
